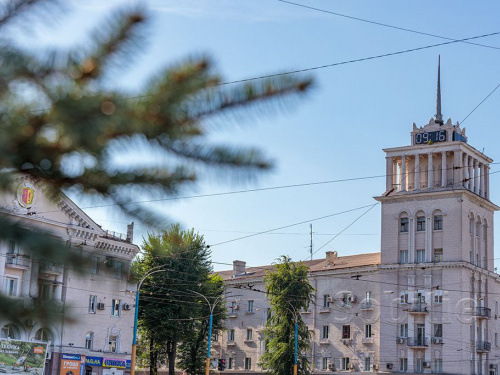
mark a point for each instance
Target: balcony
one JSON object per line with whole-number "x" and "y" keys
{"x": 418, "y": 308}
{"x": 367, "y": 340}
{"x": 366, "y": 306}
{"x": 324, "y": 310}
{"x": 49, "y": 268}
{"x": 482, "y": 313}
{"x": 19, "y": 261}
{"x": 483, "y": 346}
{"x": 417, "y": 342}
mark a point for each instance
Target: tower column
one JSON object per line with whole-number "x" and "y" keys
{"x": 444, "y": 173}
{"x": 430, "y": 170}
{"x": 457, "y": 170}
{"x": 481, "y": 187}
{"x": 487, "y": 181}
{"x": 471, "y": 174}
{"x": 417, "y": 172}
{"x": 389, "y": 173}
{"x": 476, "y": 176}
{"x": 466, "y": 171}
{"x": 395, "y": 175}
{"x": 403, "y": 173}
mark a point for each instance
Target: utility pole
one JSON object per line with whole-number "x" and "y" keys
{"x": 311, "y": 247}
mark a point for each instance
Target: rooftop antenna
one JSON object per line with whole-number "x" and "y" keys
{"x": 311, "y": 247}
{"x": 439, "y": 115}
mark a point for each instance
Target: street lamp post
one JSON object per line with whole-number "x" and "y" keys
{"x": 296, "y": 337}
{"x": 136, "y": 315}
{"x": 212, "y": 308}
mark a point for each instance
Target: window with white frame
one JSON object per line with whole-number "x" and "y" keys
{"x": 420, "y": 224}
{"x": 9, "y": 331}
{"x": 438, "y": 222}
{"x": 233, "y": 307}
{"x": 230, "y": 335}
{"x": 324, "y": 363}
{"x": 326, "y": 302}
{"x": 248, "y": 363}
{"x": 420, "y": 296}
{"x": 89, "y": 340}
{"x": 368, "y": 331}
{"x": 92, "y": 304}
{"x": 368, "y": 362}
{"x": 250, "y": 306}
{"x": 403, "y": 224}
{"x": 403, "y": 256}
{"x": 249, "y": 334}
{"x": 115, "y": 307}
{"x": 10, "y": 286}
{"x": 420, "y": 256}
{"x": 403, "y": 297}
{"x": 345, "y": 363}
{"x": 346, "y": 331}
{"x": 438, "y": 255}
{"x": 403, "y": 364}
{"x": 438, "y": 296}
{"x": 438, "y": 330}
{"x": 324, "y": 332}
{"x": 403, "y": 330}
{"x": 113, "y": 343}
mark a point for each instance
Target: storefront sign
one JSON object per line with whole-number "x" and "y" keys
{"x": 93, "y": 361}
{"x": 75, "y": 357}
{"x": 19, "y": 356}
{"x": 114, "y": 362}
{"x": 72, "y": 364}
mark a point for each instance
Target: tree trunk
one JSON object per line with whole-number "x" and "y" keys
{"x": 153, "y": 358}
{"x": 171, "y": 353}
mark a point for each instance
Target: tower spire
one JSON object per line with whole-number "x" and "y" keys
{"x": 439, "y": 116}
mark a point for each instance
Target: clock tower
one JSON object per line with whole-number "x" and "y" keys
{"x": 437, "y": 250}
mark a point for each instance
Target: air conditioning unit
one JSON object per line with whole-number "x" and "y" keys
{"x": 346, "y": 341}
{"x": 389, "y": 366}
{"x": 101, "y": 306}
{"x": 427, "y": 364}
{"x": 437, "y": 340}
{"x": 400, "y": 340}
{"x": 48, "y": 355}
{"x": 351, "y": 366}
{"x": 126, "y": 306}
{"x": 330, "y": 299}
{"x": 331, "y": 367}
{"x": 351, "y": 299}
{"x": 237, "y": 307}
{"x": 375, "y": 367}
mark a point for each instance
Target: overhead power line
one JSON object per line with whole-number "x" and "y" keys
{"x": 384, "y": 24}
{"x": 482, "y": 101}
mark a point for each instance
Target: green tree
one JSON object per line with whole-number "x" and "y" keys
{"x": 171, "y": 312}
{"x": 67, "y": 130}
{"x": 288, "y": 290}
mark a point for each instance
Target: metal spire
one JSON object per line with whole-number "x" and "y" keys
{"x": 439, "y": 115}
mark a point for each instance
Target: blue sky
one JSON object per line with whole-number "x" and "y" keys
{"x": 338, "y": 131}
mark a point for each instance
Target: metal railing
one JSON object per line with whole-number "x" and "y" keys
{"x": 417, "y": 341}
{"x": 418, "y": 308}
{"x": 482, "y": 312}
{"x": 18, "y": 260}
{"x": 50, "y": 267}
{"x": 483, "y": 346}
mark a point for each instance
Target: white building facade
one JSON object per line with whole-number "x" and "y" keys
{"x": 427, "y": 303}
{"x": 96, "y": 301}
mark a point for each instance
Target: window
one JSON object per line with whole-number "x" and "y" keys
{"x": 403, "y": 256}
{"x": 403, "y": 297}
{"x": 420, "y": 256}
{"x": 438, "y": 255}
{"x": 10, "y": 286}
{"x": 230, "y": 335}
{"x": 248, "y": 363}
{"x": 229, "y": 363}
{"x": 249, "y": 334}
{"x": 403, "y": 364}
{"x": 438, "y": 365}
{"x": 368, "y": 362}
{"x": 326, "y": 297}
{"x": 324, "y": 363}
{"x": 438, "y": 330}
{"x": 368, "y": 330}
{"x": 438, "y": 222}
{"x": 496, "y": 339}
{"x": 346, "y": 299}
{"x": 403, "y": 330}
{"x": 496, "y": 308}
{"x": 115, "y": 307}
{"x": 233, "y": 307}
{"x": 250, "y": 306}
{"x": 346, "y": 332}
{"x": 43, "y": 334}
{"x": 345, "y": 363}
{"x": 420, "y": 296}
{"x": 420, "y": 365}
{"x": 92, "y": 304}
{"x": 324, "y": 332}
{"x": 118, "y": 267}
{"x": 420, "y": 224}
{"x": 89, "y": 340}
{"x": 45, "y": 290}
{"x": 9, "y": 332}
{"x": 403, "y": 225}
{"x": 438, "y": 296}
{"x": 95, "y": 265}
{"x": 113, "y": 344}
{"x": 216, "y": 337}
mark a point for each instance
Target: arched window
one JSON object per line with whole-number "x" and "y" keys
{"x": 10, "y": 331}
{"x": 44, "y": 334}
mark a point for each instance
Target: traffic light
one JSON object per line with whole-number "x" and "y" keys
{"x": 219, "y": 366}
{"x": 223, "y": 365}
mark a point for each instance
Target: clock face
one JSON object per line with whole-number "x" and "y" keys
{"x": 433, "y": 137}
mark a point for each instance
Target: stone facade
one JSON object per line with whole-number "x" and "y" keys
{"x": 98, "y": 310}
{"x": 427, "y": 303}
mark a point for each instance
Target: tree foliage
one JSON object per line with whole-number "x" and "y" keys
{"x": 67, "y": 128}
{"x": 172, "y": 314}
{"x": 288, "y": 290}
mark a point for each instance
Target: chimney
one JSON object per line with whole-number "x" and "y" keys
{"x": 239, "y": 267}
{"x": 130, "y": 232}
{"x": 331, "y": 256}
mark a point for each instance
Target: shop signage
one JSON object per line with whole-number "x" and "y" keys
{"x": 114, "y": 362}
{"x": 72, "y": 364}
{"x": 93, "y": 361}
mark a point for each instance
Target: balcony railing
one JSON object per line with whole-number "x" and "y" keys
{"x": 482, "y": 312}
{"x": 418, "y": 308}
{"x": 51, "y": 268}
{"x": 483, "y": 346}
{"x": 18, "y": 260}
{"x": 367, "y": 340}
{"x": 417, "y": 341}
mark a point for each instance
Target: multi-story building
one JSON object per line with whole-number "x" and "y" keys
{"x": 428, "y": 302}
{"x": 95, "y": 300}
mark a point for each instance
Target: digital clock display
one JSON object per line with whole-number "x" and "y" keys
{"x": 433, "y": 137}
{"x": 459, "y": 137}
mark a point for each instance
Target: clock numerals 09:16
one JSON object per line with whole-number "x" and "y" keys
{"x": 437, "y": 136}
